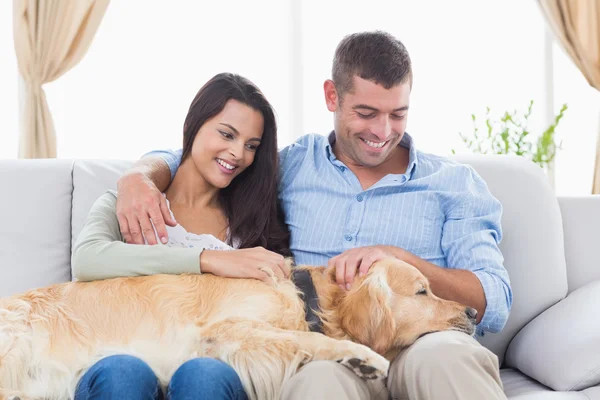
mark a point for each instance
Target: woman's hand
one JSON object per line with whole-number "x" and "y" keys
{"x": 255, "y": 263}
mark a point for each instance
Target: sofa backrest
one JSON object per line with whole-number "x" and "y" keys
{"x": 47, "y": 202}
{"x": 581, "y": 222}
{"x": 91, "y": 178}
{"x": 532, "y": 227}
{"x": 532, "y": 245}
{"x": 35, "y": 229}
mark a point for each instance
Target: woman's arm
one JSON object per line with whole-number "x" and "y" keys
{"x": 100, "y": 252}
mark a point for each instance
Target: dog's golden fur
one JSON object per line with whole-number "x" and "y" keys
{"x": 49, "y": 337}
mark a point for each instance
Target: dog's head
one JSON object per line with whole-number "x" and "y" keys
{"x": 392, "y": 306}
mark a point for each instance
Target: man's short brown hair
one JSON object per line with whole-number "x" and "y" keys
{"x": 375, "y": 56}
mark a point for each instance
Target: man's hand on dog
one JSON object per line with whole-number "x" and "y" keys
{"x": 360, "y": 259}
{"x": 139, "y": 200}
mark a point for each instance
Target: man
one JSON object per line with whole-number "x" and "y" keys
{"x": 364, "y": 193}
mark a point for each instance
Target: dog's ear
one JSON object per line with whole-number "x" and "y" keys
{"x": 289, "y": 262}
{"x": 366, "y": 314}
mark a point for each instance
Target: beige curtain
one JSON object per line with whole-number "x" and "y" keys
{"x": 51, "y": 36}
{"x": 576, "y": 25}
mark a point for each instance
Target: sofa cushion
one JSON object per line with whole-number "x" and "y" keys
{"x": 35, "y": 231}
{"x": 560, "y": 348}
{"x": 581, "y": 219}
{"x": 532, "y": 242}
{"x": 91, "y": 178}
{"x": 517, "y": 384}
{"x": 519, "y": 387}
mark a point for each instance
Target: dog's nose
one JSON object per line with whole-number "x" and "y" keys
{"x": 471, "y": 313}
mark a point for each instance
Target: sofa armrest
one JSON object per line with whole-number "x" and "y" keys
{"x": 560, "y": 348}
{"x": 581, "y": 218}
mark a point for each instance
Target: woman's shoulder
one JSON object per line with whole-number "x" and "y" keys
{"x": 110, "y": 195}
{"x": 106, "y": 201}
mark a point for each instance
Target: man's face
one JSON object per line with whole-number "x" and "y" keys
{"x": 369, "y": 122}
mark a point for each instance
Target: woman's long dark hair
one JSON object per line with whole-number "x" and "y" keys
{"x": 250, "y": 201}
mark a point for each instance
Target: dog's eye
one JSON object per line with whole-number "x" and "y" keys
{"x": 422, "y": 291}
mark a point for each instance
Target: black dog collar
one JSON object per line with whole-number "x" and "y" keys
{"x": 304, "y": 283}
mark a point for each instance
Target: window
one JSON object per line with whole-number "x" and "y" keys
{"x": 131, "y": 91}
{"x": 466, "y": 55}
{"x": 9, "y": 80}
{"x": 578, "y": 129}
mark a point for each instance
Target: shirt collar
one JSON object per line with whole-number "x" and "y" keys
{"x": 407, "y": 141}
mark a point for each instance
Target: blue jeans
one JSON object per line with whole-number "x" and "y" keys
{"x": 128, "y": 377}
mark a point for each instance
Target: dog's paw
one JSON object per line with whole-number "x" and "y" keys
{"x": 369, "y": 368}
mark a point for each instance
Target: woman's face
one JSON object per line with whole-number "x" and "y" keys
{"x": 226, "y": 144}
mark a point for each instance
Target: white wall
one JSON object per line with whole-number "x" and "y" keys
{"x": 131, "y": 92}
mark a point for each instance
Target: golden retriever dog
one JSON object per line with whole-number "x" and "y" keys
{"x": 49, "y": 337}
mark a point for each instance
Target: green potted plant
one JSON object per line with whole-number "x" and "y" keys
{"x": 510, "y": 135}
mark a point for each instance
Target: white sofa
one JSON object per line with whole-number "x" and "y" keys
{"x": 550, "y": 348}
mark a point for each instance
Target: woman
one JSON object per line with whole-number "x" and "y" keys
{"x": 224, "y": 197}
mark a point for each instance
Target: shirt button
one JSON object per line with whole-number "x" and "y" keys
{"x": 359, "y": 197}
{"x": 348, "y": 238}
{"x": 342, "y": 169}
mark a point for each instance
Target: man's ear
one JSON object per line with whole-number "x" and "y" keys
{"x": 366, "y": 315}
{"x": 331, "y": 95}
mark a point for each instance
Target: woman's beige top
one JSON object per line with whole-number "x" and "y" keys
{"x": 101, "y": 253}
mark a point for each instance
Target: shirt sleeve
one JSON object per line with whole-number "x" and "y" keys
{"x": 470, "y": 239}
{"x": 290, "y": 161}
{"x": 100, "y": 252}
{"x": 171, "y": 157}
